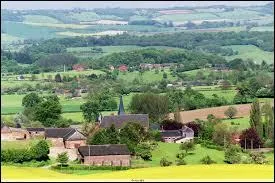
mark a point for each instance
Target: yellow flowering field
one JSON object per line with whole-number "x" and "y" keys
{"x": 185, "y": 172}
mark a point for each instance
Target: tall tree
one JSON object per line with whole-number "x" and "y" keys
{"x": 268, "y": 121}
{"x": 255, "y": 118}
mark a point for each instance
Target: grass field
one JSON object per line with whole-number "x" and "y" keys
{"x": 251, "y": 52}
{"x": 263, "y": 28}
{"x": 19, "y": 144}
{"x": 244, "y": 122}
{"x": 40, "y": 19}
{"x": 85, "y": 16}
{"x": 186, "y": 17}
{"x": 58, "y": 25}
{"x": 7, "y": 39}
{"x": 185, "y": 172}
{"x": 170, "y": 150}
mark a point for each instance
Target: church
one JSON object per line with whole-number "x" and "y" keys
{"x": 122, "y": 118}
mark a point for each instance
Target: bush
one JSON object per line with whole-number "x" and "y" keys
{"x": 187, "y": 146}
{"x": 62, "y": 158}
{"x": 144, "y": 151}
{"x": 40, "y": 150}
{"x": 269, "y": 143}
{"x": 258, "y": 157}
{"x": 180, "y": 158}
{"x": 165, "y": 162}
{"x": 233, "y": 154}
{"x": 207, "y": 160}
{"x": 246, "y": 159}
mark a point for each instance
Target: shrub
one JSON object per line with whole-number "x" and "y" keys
{"x": 246, "y": 159}
{"x": 144, "y": 151}
{"x": 40, "y": 150}
{"x": 233, "y": 154}
{"x": 187, "y": 146}
{"x": 207, "y": 160}
{"x": 180, "y": 158}
{"x": 62, "y": 158}
{"x": 165, "y": 162}
{"x": 269, "y": 143}
{"x": 258, "y": 157}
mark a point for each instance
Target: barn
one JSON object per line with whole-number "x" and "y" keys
{"x": 105, "y": 155}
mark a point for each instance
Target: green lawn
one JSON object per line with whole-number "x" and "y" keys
{"x": 244, "y": 122}
{"x": 227, "y": 94}
{"x": 19, "y": 144}
{"x": 40, "y": 19}
{"x": 170, "y": 150}
{"x": 251, "y": 52}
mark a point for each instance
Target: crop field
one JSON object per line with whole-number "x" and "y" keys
{"x": 103, "y": 33}
{"x": 191, "y": 173}
{"x": 187, "y": 116}
{"x": 40, "y": 19}
{"x": 58, "y": 25}
{"x": 251, "y": 52}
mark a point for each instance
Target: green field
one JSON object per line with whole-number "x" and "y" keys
{"x": 40, "y": 19}
{"x": 170, "y": 150}
{"x": 85, "y": 16}
{"x": 186, "y": 17}
{"x": 263, "y": 28}
{"x": 20, "y": 144}
{"x": 7, "y": 39}
{"x": 251, "y": 52}
{"x": 244, "y": 122}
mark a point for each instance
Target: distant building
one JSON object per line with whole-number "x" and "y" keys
{"x": 111, "y": 68}
{"x": 105, "y": 155}
{"x": 123, "y": 68}
{"x": 21, "y": 77}
{"x": 177, "y": 136}
{"x": 36, "y": 132}
{"x": 69, "y": 138}
{"x": 10, "y": 133}
{"x": 121, "y": 119}
{"x": 78, "y": 67}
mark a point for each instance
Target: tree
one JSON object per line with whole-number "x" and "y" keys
{"x": 57, "y": 78}
{"x": 62, "y": 158}
{"x": 164, "y": 75}
{"x": 255, "y": 118}
{"x": 48, "y": 111}
{"x": 40, "y": 151}
{"x": 268, "y": 121}
{"x": 221, "y": 134}
{"x": 31, "y": 100}
{"x": 187, "y": 146}
{"x": 132, "y": 134}
{"x": 249, "y": 138}
{"x": 100, "y": 137}
{"x": 231, "y": 112}
{"x": 90, "y": 110}
{"x": 233, "y": 154}
{"x": 154, "y": 105}
{"x": 144, "y": 151}
{"x": 113, "y": 135}
{"x": 33, "y": 77}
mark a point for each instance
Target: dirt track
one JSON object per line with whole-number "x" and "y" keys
{"x": 187, "y": 116}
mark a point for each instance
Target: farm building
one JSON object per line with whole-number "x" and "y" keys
{"x": 177, "y": 136}
{"x": 123, "y": 68}
{"x": 21, "y": 77}
{"x": 121, "y": 119}
{"x": 10, "y": 133}
{"x": 36, "y": 132}
{"x": 105, "y": 155}
{"x": 111, "y": 68}
{"x": 69, "y": 138}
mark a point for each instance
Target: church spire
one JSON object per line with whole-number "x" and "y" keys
{"x": 121, "y": 107}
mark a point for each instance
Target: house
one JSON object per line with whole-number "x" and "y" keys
{"x": 177, "y": 136}
{"x": 105, "y": 155}
{"x": 220, "y": 67}
{"x": 78, "y": 67}
{"x": 123, "y": 68}
{"x": 121, "y": 119}
{"x": 146, "y": 66}
{"x": 10, "y": 133}
{"x": 36, "y": 132}
{"x": 69, "y": 138}
{"x": 111, "y": 68}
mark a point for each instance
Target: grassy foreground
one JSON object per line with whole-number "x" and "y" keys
{"x": 187, "y": 172}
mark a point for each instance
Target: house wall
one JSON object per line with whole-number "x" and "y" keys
{"x": 110, "y": 160}
{"x": 56, "y": 142}
{"x": 184, "y": 140}
{"x": 169, "y": 139}
{"x": 37, "y": 134}
{"x": 14, "y": 135}
{"x": 71, "y": 144}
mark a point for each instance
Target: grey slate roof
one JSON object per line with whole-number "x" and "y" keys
{"x": 186, "y": 129}
{"x": 64, "y": 133}
{"x": 171, "y": 133}
{"x": 120, "y": 120}
{"x": 35, "y": 129}
{"x": 104, "y": 150}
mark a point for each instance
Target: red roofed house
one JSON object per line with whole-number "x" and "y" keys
{"x": 123, "y": 68}
{"x": 78, "y": 67}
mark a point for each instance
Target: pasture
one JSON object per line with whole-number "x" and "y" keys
{"x": 243, "y": 122}
{"x": 185, "y": 172}
{"x": 40, "y": 19}
{"x": 21, "y": 144}
{"x": 251, "y": 52}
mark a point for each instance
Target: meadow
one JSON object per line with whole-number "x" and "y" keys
{"x": 241, "y": 123}
{"x": 251, "y": 52}
{"x": 40, "y": 19}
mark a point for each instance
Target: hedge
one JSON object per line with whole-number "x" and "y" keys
{"x": 85, "y": 167}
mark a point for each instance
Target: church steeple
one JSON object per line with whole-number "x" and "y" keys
{"x": 121, "y": 107}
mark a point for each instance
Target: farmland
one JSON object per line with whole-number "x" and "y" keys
{"x": 194, "y": 172}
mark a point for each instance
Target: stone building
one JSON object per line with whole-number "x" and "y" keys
{"x": 36, "y": 132}
{"x": 69, "y": 138}
{"x": 10, "y": 133}
{"x": 105, "y": 155}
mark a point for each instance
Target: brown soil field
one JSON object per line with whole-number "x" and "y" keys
{"x": 170, "y": 12}
{"x": 188, "y": 116}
